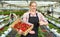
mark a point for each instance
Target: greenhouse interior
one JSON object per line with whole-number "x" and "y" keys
{"x": 50, "y": 9}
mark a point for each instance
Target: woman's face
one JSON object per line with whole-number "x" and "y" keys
{"x": 33, "y": 7}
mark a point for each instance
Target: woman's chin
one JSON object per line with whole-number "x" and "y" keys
{"x": 34, "y": 10}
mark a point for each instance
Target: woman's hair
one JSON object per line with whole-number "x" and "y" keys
{"x": 32, "y": 2}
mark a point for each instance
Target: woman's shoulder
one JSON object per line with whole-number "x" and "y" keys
{"x": 26, "y": 13}
{"x": 38, "y": 12}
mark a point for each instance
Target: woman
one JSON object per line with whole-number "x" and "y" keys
{"x": 34, "y": 17}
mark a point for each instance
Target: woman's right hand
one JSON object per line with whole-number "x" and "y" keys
{"x": 20, "y": 32}
{"x": 32, "y": 32}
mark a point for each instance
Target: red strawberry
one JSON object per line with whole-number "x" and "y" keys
{"x": 23, "y": 29}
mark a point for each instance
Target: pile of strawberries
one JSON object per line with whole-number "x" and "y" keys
{"x": 22, "y": 26}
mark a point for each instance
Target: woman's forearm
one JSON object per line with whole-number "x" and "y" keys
{"x": 43, "y": 23}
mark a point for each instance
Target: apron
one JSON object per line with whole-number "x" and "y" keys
{"x": 35, "y": 21}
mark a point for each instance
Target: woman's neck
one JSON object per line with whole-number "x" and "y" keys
{"x": 33, "y": 12}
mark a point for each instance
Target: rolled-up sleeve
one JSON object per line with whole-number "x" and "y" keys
{"x": 41, "y": 17}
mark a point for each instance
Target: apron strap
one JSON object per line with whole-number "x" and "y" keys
{"x": 36, "y": 14}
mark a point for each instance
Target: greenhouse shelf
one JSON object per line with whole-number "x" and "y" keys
{"x": 6, "y": 32}
{"x": 53, "y": 22}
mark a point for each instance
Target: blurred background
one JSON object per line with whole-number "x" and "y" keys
{"x": 49, "y": 8}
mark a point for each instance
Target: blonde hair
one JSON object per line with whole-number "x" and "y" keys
{"x": 32, "y": 2}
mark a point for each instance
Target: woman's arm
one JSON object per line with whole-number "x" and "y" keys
{"x": 42, "y": 20}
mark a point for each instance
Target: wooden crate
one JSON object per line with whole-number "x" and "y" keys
{"x": 20, "y": 27}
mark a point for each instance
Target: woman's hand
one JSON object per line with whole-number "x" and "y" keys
{"x": 20, "y": 32}
{"x": 32, "y": 32}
